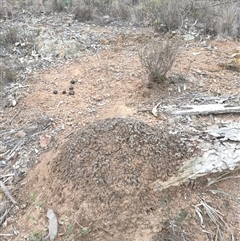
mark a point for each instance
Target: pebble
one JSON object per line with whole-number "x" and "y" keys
{"x": 71, "y": 92}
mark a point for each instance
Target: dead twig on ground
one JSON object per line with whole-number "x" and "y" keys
{"x": 10, "y": 122}
{"x": 216, "y": 217}
{"x": 7, "y": 193}
{"x": 6, "y": 234}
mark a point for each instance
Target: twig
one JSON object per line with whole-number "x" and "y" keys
{"x": 7, "y": 175}
{"x": 82, "y": 227}
{"x": 237, "y": 200}
{"x": 7, "y": 193}
{"x": 6, "y": 234}
{"x": 22, "y": 86}
{"x": 10, "y": 122}
{"x": 4, "y": 215}
{"x": 69, "y": 134}
{"x": 154, "y": 110}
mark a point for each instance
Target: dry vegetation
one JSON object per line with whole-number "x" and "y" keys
{"x": 204, "y": 17}
{"x": 158, "y": 57}
{"x": 168, "y": 18}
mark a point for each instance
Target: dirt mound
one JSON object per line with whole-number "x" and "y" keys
{"x": 113, "y": 163}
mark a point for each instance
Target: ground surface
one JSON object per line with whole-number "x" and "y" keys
{"x": 114, "y": 201}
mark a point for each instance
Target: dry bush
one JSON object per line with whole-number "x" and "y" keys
{"x": 121, "y": 10}
{"x": 7, "y": 75}
{"x": 217, "y": 17}
{"x": 168, "y": 13}
{"x": 58, "y": 5}
{"x": 158, "y": 57}
{"x": 212, "y": 17}
{"x": 10, "y": 36}
{"x": 101, "y": 7}
{"x": 83, "y": 13}
{"x": 172, "y": 13}
{"x": 228, "y": 21}
{"x": 205, "y": 14}
{"x": 89, "y": 8}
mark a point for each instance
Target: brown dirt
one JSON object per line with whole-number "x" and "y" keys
{"x": 88, "y": 180}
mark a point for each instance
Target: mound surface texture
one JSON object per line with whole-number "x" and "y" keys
{"x": 113, "y": 163}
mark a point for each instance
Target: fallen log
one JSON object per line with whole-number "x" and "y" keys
{"x": 207, "y": 109}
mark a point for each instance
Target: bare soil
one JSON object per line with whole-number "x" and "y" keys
{"x": 96, "y": 172}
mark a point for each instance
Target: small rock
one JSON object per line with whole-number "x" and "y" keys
{"x": 44, "y": 141}
{"x": 14, "y": 102}
{"x": 55, "y": 92}
{"x": 71, "y": 88}
{"x": 73, "y": 81}
{"x": 71, "y": 92}
{"x": 47, "y": 238}
{"x": 21, "y": 134}
{"x": 64, "y": 92}
{"x": 2, "y": 148}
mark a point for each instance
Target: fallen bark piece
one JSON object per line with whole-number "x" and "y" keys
{"x": 207, "y": 109}
{"x": 226, "y": 133}
{"x": 219, "y": 154}
{"x": 52, "y": 227}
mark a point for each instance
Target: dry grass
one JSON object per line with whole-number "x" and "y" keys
{"x": 216, "y": 218}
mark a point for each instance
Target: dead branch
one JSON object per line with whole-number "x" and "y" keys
{"x": 207, "y": 109}
{"x": 7, "y": 193}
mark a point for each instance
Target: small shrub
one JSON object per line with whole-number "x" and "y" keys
{"x": 168, "y": 13}
{"x": 228, "y": 21}
{"x": 83, "y": 13}
{"x": 157, "y": 58}
{"x": 35, "y": 236}
{"x": 205, "y": 14}
{"x": 8, "y": 75}
{"x": 101, "y": 7}
{"x": 9, "y": 37}
{"x": 58, "y": 5}
{"x": 121, "y": 10}
{"x": 171, "y": 231}
{"x": 85, "y": 231}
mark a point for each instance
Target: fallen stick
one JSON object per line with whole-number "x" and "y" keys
{"x": 6, "y": 234}
{"x": 10, "y": 122}
{"x": 7, "y": 193}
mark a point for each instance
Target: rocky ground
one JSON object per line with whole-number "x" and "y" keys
{"x": 57, "y": 150}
